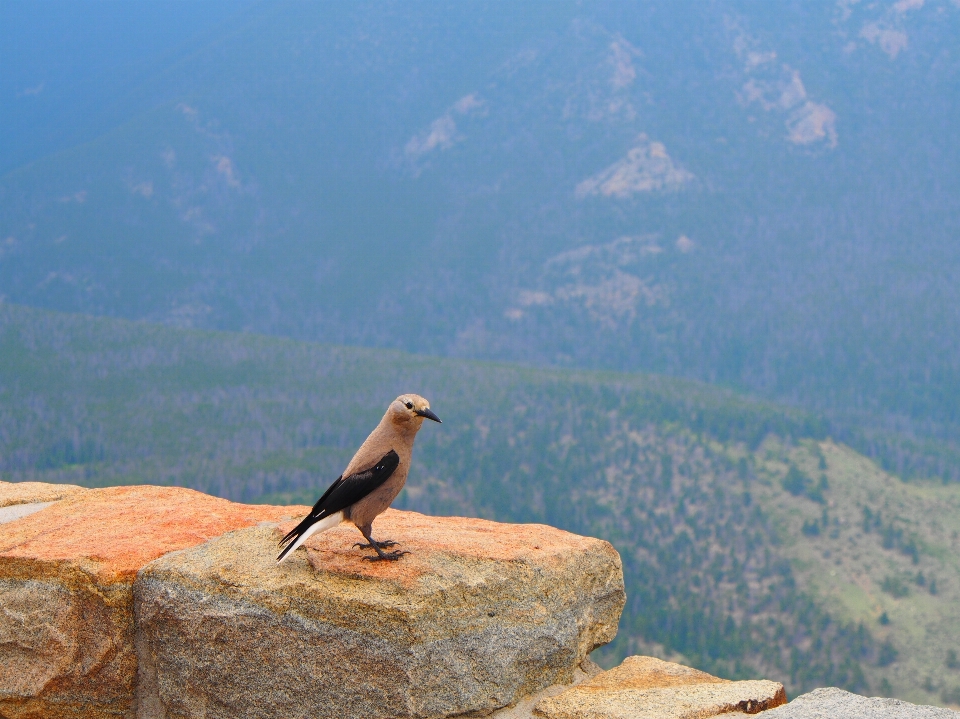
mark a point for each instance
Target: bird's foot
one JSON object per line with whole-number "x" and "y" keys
{"x": 385, "y": 556}
{"x": 379, "y": 545}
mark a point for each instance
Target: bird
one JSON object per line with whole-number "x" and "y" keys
{"x": 371, "y": 481}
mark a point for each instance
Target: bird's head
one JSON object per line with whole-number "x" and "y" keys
{"x": 410, "y": 409}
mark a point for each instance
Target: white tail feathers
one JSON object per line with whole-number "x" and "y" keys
{"x": 322, "y": 526}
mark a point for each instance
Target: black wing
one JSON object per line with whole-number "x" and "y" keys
{"x": 344, "y": 492}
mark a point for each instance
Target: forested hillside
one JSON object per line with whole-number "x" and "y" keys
{"x": 752, "y": 543}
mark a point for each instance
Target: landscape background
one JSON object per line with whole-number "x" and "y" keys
{"x": 757, "y": 202}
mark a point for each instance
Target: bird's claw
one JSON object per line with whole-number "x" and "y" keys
{"x": 379, "y": 545}
{"x": 386, "y": 556}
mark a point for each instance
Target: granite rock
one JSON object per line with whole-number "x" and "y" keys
{"x": 477, "y": 617}
{"x": 12, "y": 493}
{"x": 14, "y": 512}
{"x": 66, "y": 592}
{"x": 646, "y": 687}
{"x": 523, "y": 709}
{"x": 833, "y": 703}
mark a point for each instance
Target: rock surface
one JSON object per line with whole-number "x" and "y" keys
{"x": 66, "y": 591}
{"x": 833, "y": 703}
{"x": 478, "y": 616}
{"x": 33, "y": 492}
{"x": 646, "y": 687}
{"x": 19, "y": 511}
{"x": 523, "y": 709}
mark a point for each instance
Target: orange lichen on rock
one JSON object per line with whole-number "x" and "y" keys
{"x": 12, "y": 493}
{"x": 430, "y": 539}
{"x": 117, "y": 530}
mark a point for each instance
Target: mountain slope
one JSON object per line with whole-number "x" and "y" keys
{"x": 69, "y": 69}
{"x": 758, "y": 195}
{"x": 710, "y": 497}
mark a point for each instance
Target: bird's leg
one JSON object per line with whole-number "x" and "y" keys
{"x": 366, "y": 531}
{"x": 382, "y": 545}
{"x": 378, "y": 548}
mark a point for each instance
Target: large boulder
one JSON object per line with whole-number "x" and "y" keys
{"x": 833, "y": 703}
{"x": 66, "y": 591}
{"x": 650, "y": 688}
{"x": 476, "y": 617}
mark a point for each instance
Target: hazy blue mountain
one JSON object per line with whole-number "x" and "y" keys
{"x": 764, "y": 195}
{"x": 68, "y": 67}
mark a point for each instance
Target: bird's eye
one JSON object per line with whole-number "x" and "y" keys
{"x": 409, "y": 405}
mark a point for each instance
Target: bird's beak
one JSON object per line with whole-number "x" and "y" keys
{"x": 428, "y": 413}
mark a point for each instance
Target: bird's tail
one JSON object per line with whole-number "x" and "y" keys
{"x": 303, "y": 531}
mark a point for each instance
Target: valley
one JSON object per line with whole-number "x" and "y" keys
{"x": 739, "y": 557}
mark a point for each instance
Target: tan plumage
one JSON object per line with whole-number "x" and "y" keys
{"x": 371, "y": 481}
